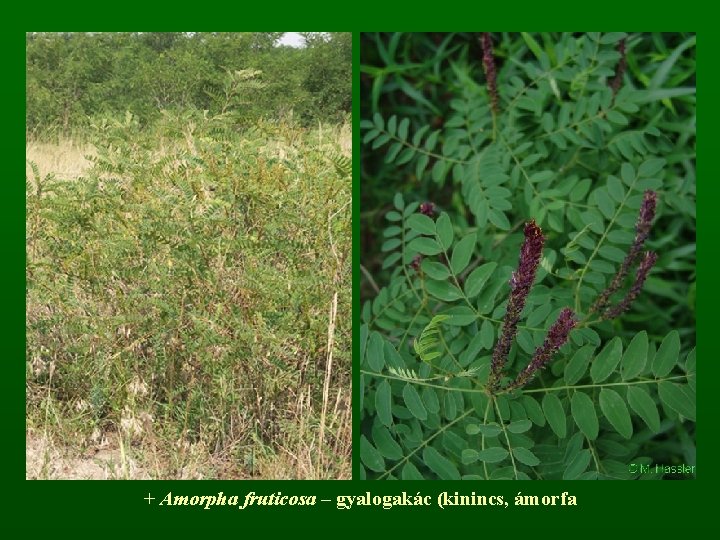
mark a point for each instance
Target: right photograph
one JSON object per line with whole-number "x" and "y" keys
{"x": 527, "y": 256}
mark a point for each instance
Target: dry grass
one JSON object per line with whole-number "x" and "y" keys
{"x": 65, "y": 159}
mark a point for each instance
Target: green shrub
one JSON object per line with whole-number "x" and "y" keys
{"x": 187, "y": 280}
{"x": 564, "y": 352}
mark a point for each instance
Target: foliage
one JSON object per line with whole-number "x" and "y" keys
{"x": 181, "y": 295}
{"x": 588, "y": 130}
{"x": 73, "y": 76}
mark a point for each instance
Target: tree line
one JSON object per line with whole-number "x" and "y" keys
{"x": 74, "y": 78}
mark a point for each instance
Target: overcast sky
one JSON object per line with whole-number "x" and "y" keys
{"x": 293, "y": 39}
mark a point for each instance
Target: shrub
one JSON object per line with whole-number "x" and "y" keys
{"x": 529, "y": 298}
{"x": 189, "y": 295}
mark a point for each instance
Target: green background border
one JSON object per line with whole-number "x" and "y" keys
{"x": 103, "y": 507}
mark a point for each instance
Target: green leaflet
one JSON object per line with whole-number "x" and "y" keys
{"x": 478, "y": 278}
{"x": 641, "y": 402}
{"x": 462, "y": 253}
{"x": 450, "y": 406}
{"x": 539, "y": 316}
{"x": 421, "y": 224}
{"x": 667, "y": 355}
{"x": 489, "y": 430}
{"x": 577, "y": 366}
{"x": 678, "y": 398}
{"x": 492, "y": 455}
{"x": 424, "y": 246}
{"x": 375, "y": 353}
{"x": 519, "y": 426}
{"x": 555, "y": 414}
{"x": 460, "y": 316}
{"x": 383, "y": 402}
{"x": 627, "y": 173}
{"x": 385, "y": 444}
{"x": 443, "y": 290}
{"x": 651, "y": 167}
{"x": 577, "y": 465}
{"x": 583, "y": 411}
{"x": 410, "y": 472}
{"x": 534, "y": 410}
{"x": 469, "y": 456}
{"x": 635, "y": 357}
{"x": 487, "y": 334}
{"x": 525, "y": 456}
{"x": 444, "y": 231}
{"x": 435, "y": 270}
{"x": 369, "y": 455}
{"x": 392, "y": 357}
{"x": 430, "y": 400}
{"x": 440, "y": 465}
{"x": 612, "y": 37}
{"x": 615, "y": 410}
{"x": 414, "y": 403}
{"x": 427, "y": 346}
{"x": 615, "y": 189}
{"x": 606, "y": 361}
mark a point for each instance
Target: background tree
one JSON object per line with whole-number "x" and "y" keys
{"x": 73, "y": 77}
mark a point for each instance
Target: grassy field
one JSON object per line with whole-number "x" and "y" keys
{"x": 188, "y": 302}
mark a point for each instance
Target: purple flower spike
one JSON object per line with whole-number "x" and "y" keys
{"x": 644, "y": 222}
{"x": 642, "y": 273}
{"x": 520, "y": 284}
{"x": 490, "y": 70}
{"x": 530, "y": 255}
{"x": 556, "y": 338}
{"x": 642, "y": 231}
{"x": 616, "y": 82}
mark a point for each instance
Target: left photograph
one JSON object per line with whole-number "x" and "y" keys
{"x": 188, "y": 255}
